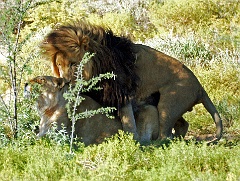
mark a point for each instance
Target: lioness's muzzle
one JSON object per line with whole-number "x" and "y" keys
{"x": 26, "y": 92}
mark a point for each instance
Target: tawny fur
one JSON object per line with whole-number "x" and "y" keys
{"x": 51, "y": 106}
{"x": 151, "y": 72}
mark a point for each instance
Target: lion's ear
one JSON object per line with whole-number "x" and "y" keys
{"x": 85, "y": 42}
{"x": 60, "y": 82}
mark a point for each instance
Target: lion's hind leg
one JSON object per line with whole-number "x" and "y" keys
{"x": 174, "y": 102}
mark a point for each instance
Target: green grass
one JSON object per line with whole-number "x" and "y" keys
{"x": 120, "y": 158}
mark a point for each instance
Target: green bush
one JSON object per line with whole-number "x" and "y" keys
{"x": 120, "y": 158}
{"x": 190, "y": 50}
{"x": 214, "y": 20}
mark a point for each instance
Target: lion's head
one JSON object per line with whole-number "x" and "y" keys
{"x": 66, "y": 46}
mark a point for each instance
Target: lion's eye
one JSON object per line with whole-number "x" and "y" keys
{"x": 72, "y": 64}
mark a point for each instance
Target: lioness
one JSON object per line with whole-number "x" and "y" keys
{"x": 141, "y": 71}
{"x": 51, "y": 106}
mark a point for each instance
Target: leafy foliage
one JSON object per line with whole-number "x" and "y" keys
{"x": 120, "y": 158}
{"x": 213, "y": 20}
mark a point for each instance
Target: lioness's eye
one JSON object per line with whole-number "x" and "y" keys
{"x": 42, "y": 80}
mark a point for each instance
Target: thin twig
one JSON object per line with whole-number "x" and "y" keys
{"x": 79, "y": 73}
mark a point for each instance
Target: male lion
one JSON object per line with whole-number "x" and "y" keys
{"x": 141, "y": 71}
{"x": 51, "y": 106}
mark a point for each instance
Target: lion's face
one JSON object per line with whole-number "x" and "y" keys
{"x": 65, "y": 68}
{"x": 65, "y": 46}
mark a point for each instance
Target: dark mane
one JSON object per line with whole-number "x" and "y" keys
{"x": 112, "y": 54}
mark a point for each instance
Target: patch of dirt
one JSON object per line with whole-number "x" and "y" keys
{"x": 209, "y": 137}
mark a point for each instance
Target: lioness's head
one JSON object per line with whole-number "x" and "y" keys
{"x": 47, "y": 86}
{"x": 50, "y": 102}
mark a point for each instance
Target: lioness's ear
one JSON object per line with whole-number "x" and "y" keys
{"x": 85, "y": 42}
{"x": 60, "y": 82}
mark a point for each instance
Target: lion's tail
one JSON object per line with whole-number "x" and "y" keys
{"x": 206, "y": 101}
